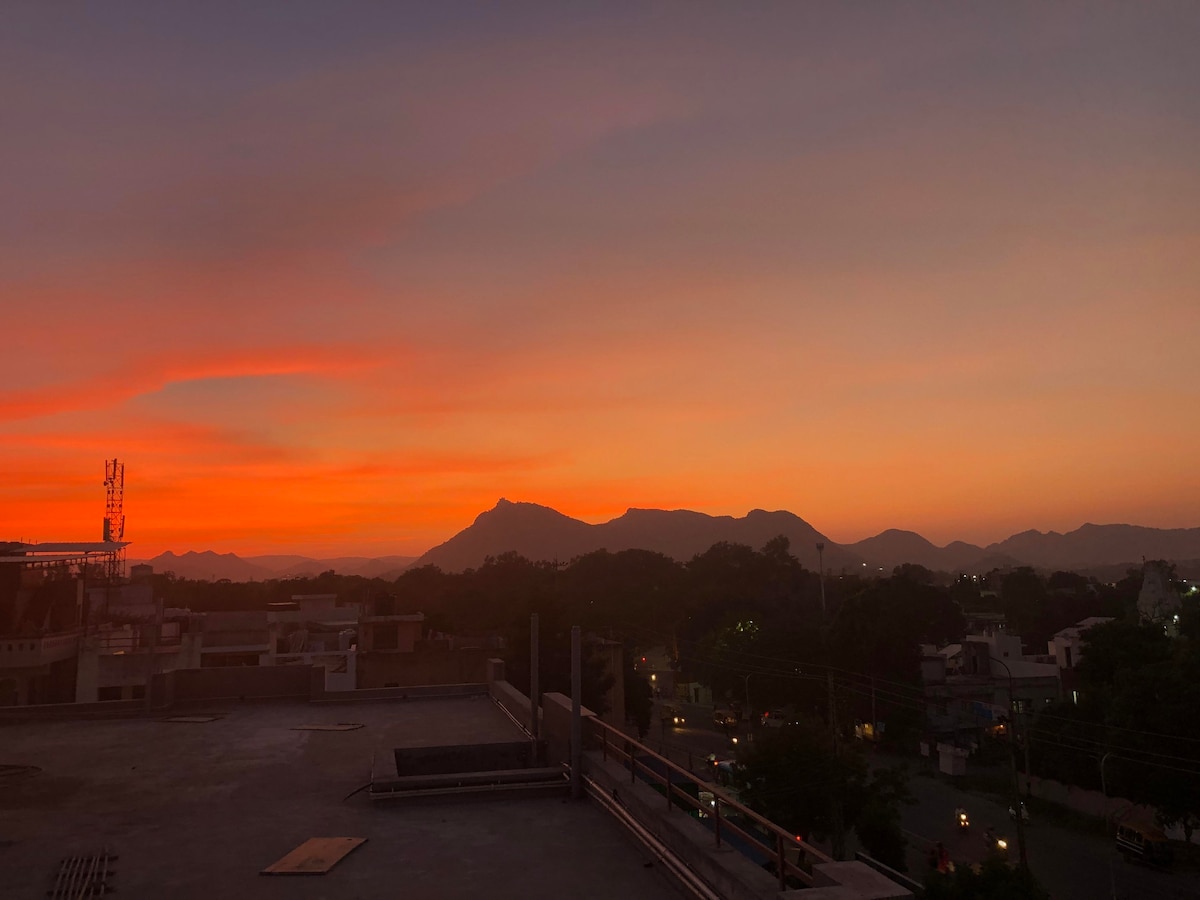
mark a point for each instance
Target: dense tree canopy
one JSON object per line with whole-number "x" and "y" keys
{"x": 795, "y": 777}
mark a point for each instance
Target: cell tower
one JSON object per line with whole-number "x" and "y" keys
{"x": 114, "y": 515}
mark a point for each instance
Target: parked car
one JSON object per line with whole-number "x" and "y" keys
{"x": 1145, "y": 843}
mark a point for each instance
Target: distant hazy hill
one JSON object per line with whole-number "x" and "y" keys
{"x": 210, "y": 566}
{"x": 1089, "y": 547}
{"x": 893, "y": 547}
{"x": 206, "y": 566}
{"x": 1095, "y": 545}
{"x": 540, "y": 533}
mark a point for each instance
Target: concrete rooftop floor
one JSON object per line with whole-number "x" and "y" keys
{"x": 196, "y": 810}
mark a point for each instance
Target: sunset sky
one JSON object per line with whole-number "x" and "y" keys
{"x": 332, "y": 278}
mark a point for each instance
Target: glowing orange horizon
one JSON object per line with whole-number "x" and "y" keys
{"x": 340, "y": 299}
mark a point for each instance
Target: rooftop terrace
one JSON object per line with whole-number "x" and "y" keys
{"x": 199, "y": 808}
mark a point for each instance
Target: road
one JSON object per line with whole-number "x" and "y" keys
{"x": 1071, "y": 864}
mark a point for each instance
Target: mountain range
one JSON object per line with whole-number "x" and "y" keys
{"x": 541, "y": 533}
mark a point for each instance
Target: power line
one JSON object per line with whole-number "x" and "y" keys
{"x": 1174, "y": 737}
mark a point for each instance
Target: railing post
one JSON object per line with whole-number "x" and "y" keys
{"x": 782, "y": 862}
{"x": 717, "y": 818}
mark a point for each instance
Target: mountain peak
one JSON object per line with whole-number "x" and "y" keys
{"x": 540, "y": 533}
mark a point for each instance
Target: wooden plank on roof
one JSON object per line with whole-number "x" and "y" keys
{"x": 316, "y": 856}
{"x": 336, "y": 726}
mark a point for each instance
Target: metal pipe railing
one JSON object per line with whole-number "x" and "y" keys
{"x": 774, "y": 843}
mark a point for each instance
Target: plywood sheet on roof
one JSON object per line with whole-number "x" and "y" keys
{"x": 316, "y": 856}
{"x": 336, "y": 726}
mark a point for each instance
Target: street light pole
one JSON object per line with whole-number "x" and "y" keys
{"x": 821, "y": 565}
{"x": 749, "y": 708}
{"x": 1012, "y": 754}
{"x": 1104, "y": 783}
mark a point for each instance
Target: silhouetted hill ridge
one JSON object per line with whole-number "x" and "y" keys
{"x": 1094, "y": 545}
{"x": 540, "y": 533}
{"x": 895, "y": 547}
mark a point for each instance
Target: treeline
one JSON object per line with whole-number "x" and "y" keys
{"x": 722, "y": 614}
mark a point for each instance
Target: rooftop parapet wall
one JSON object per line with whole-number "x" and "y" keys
{"x": 556, "y": 726}
{"x": 234, "y": 684}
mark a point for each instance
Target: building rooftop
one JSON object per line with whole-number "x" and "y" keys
{"x": 1074, "y": 631}
{"x": 196, "y": 808}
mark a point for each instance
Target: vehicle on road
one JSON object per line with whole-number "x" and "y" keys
{"x": 777, "y": 718}
{"x": 995, "y": 843}
{"x": 1143, "y": 843}
{"x": 671, "y": 717}
{"x": 725, "y": 718}
{"x": 722, "y": 770}
{"x": 962, "y": 819}
{"x": 1012, "y": 813}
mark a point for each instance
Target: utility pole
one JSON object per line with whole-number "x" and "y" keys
{"x": 534, "y": 687}
{"x": 1104, "y": 783}
{"x": 576, "y": 713}
{"x": 1025, "y": 740}
{"x": 1012, "y": 755}
{"x": 874, "y": 718}
{"x": 821, "y": 566}
{"x": 838, "y": 843}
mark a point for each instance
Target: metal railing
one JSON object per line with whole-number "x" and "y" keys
{"x": 900, "y": 878}
{"x": 772, "y": 841}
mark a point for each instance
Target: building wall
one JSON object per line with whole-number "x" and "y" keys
{"x": 240, "y": 682}
{"x": 123, "y": 676}
{"x": 384, "y": 669}
{"x": 390, "y": 633}
{"x": 50, "y": 683}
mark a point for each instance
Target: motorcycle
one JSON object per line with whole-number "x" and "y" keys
{"x": 995, "y": 843}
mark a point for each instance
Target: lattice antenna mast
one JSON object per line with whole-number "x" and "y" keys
{"x": 114, "y": 514}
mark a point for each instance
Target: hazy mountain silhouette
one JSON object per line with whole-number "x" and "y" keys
{"x": 1095, "y": 545}
{"x": 206, "y": 566}
{"x": 540, "y": 533}
{"x": 210, "y": 566}
{"x": 894, "y": 547}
